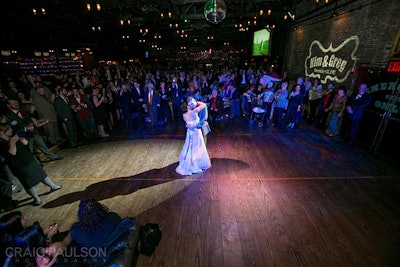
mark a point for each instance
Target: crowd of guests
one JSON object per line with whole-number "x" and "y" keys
{"x": 37, "y": 113}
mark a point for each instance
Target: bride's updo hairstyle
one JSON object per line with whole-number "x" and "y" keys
{"x": 191, "y": 102}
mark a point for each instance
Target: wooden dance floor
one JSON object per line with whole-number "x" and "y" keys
{"x": 291, "y": 198}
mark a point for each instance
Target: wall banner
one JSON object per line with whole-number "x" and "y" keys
{"x": 382, "y": 94}
{"x": 333, "y": 64}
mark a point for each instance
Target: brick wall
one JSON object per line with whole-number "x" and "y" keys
{"x": 374, "y": 24}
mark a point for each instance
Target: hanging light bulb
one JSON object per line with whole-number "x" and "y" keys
{"x": 215, "y": 11}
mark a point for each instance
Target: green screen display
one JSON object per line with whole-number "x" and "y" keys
{"x": 261, "y": 41}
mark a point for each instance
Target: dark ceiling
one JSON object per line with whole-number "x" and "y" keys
{"x": 68, "y": 24}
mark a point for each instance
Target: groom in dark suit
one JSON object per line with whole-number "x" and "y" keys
{"x": 203, "y": 124}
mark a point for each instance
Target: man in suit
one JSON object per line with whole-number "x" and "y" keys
{"x": 66, "y": 116}
{"x": 152, "y": 101}
{"x": 164, "y": 102}
{"x": 355, "y": 111}
{"x": 22, "y": 122}
{"x": 138, "y": 97}
{"x": 176, "y": 98}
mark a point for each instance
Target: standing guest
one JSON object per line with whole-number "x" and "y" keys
{"x": 82, "y": 108}
{"x": 234, "y": 110}
{"x": 215, "y": 105}
{"x": 294, "y": 108}
{"x": 109, "y": 105}
{"x": 115, "y": 105}
{"x": 337, "y": 108}
{"x": 176, "y": 97}
{"x": 323, "y": 108}
{"x": 152, "y": 101}
{"x": 314, "y": 97}
{"x": 37, "y": 122}
{"x": 280, "y": 105}
{"x": 137, "y": 98}
{"x": 22, "y": 100}
{"x": 268, "y": 98}
{"x": 12, "y": 90}
{"x": 355, "y": 111}
{"x": 307, "y": 87}
{"x": 31, "y": 84}
{"x": 125, "y": 103}
{"x": 44, "y": 106}
{"x": 164, "y": 103}
{"x": 99, "y": 112}
{"x": 24, "y": 123}
{"x": 65, "y": 114}
{"x": 247, "y": 100}
{"x": 242, "y": 81}
{"x": 22, "y": 163}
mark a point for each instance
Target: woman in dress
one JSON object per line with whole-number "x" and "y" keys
{"x": 337, "y": 107}
{"x": 22, "y": 163}
{"x": 99, "y": 112}
{"x": 293, "y": 111}
{"x": 194, "y": 157}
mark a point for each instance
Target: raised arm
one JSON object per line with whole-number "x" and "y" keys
{"x": 200, "y": 106}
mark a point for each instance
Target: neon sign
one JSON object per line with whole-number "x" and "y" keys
{"x": 394, "y": 66}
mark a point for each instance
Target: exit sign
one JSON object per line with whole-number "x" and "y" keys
{"x": 394, "y": 66}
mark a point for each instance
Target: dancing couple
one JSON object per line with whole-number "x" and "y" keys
{"x": 194, "y": 157}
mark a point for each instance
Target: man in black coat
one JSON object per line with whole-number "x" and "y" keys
{"x": 152, "y": 100}
{"x": 66, "y": 115}
{"x": 355, "y": 111}
{"x": 137, "y": 96}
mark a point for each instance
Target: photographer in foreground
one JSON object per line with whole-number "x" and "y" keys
{"x": 23, "y": 123}
{"x": 22, "y": 163}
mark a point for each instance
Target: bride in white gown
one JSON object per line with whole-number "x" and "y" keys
{"x": 194, "y": 157}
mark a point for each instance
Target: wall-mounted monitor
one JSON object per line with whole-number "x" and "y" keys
{"x": 261, "y": 43}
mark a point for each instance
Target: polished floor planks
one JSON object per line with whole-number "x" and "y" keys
{"x": 294, "y": 198}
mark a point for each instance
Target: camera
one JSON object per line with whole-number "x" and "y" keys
{"x": 15, "y": 130}
{"x": 25, "y": 134}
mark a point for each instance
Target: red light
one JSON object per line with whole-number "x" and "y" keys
{"x": 394, "y": 66}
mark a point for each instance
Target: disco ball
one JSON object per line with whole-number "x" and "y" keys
{"x": 215, "y": 11}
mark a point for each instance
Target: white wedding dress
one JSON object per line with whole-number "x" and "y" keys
{"x": 194, "y": 157}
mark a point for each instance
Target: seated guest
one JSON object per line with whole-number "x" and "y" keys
{"x": 97, "y": 228}
{"x": 24, "y": 240}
